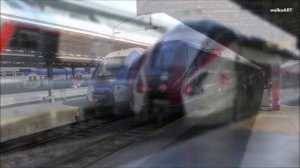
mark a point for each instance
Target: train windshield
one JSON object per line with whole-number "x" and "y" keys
{"x": 167, "y": 52}
{"x": 163, "y": 54}
{"x": 111, "y": 67}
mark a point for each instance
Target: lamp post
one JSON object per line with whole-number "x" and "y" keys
{"x": 150, "y": 23}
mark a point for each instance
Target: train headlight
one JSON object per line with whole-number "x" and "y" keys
{"x": 141, "y": 88}
{"x": 188, "y": 90}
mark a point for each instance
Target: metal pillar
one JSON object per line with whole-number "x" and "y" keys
{"x": 276, "y": 87}
{"x": 48, "y": 45}
{"x": 49, "y": 63}
{"x": 73, "y": 72}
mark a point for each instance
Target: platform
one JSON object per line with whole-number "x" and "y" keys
{"x": 38, "y": 96}
{"x": 270, "y": 139}
{"x": 20, "y": 120}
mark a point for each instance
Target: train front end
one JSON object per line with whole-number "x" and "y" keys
{"x": 103, "y": 89}
{"x": 110, "y": 85}
{"x": 192, "y": 66}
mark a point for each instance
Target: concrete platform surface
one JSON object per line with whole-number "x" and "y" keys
{"x": 22, "y": 120}
{"x": 270, "y": 139}
{"x": 30, "y": 97}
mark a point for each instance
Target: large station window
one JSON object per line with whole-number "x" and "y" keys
{"x": 25, "y": 39}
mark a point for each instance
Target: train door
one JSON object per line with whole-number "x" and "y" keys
{"x": 176, "y": 71}
{"x": 242, "y": 91}
{"x": 135, "y": 70}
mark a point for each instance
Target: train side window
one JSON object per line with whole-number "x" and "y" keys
{"x": 18, "y": 73}
{"x": 1, "y": 74}
{"x": 9, "y": 73}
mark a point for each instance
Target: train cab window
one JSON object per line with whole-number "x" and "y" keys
{"x": 164, "y": 54}
{"x": 111, "y": 67}
{"x": 9, "y": 73}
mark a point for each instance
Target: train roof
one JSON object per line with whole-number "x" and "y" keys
{"x": 211, "y": 29}
{"x": 125, "y": 52}
{"x": 253, "y": 42}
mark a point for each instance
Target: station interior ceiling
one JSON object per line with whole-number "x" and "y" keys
{"x": 91, "y": 46}
{"x": 226, "y": 11}
{"x": 288, "y": 21}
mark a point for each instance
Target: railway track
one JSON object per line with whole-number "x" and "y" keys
{"x": 76, "y": 145}
{"x": 97, "y": 151}
{"x": 48, "y": 136}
